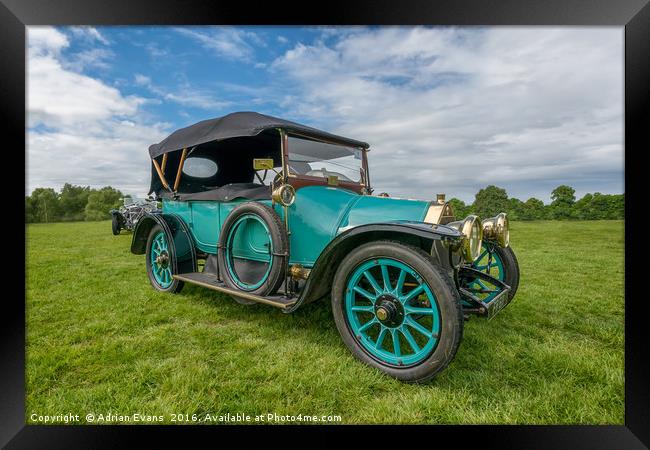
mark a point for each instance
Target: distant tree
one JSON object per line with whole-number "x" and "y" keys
{"x": 490, "y": 201}
{"x": 582, "y": 209}
{"x": 73, "y": 200}
{"x": 30, "y": 210}
{"x": 459, "y": 208}
{"x": 44, "y": 205}
{"x": 604, "y": 206}
{"x": 101, "y": 202}
{"x": 534, "y": 209}
{"x": 515, "y": 209}
{"x": 563, "y": 197}
{"x": 618, "y": 206}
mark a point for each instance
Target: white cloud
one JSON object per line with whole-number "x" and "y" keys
{"x": 89, "y": 34}
{"x": 142, "y": 80}
{"x": 95, "y": 57}
{"x": 197, "y": 99}
{"x": 57, "y": 97}
{"x": 45, "y": 40}
{"x": 82, "y": 130}
{"x": 455, "y": 109}
{"x": 184, "y": 95}
{"x": 226, "y": 42}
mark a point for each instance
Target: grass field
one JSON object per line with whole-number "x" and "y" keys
{"x": 100, "y": 340}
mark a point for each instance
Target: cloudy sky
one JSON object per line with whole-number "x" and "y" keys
{"x": 444, "y": 109}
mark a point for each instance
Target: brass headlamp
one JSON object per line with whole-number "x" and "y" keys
{"x": 497, "y": 229}
{"x": 473, "y": 239}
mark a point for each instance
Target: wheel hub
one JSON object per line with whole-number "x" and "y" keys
{"x": 163, "y": 260}
{"x": 389, "y": 311}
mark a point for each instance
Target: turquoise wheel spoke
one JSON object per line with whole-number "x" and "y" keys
{"x": 370, "y": 309}
{"x": 416, "y": 291}
{"x": 365, "y": 293}
{"x": 417, "y": 326}
{"x": 368, "y": 324}
{"x": 410, "y": 339}
{"x": 380, "y": 338}
{"x": 419, "y": 311}
{"x": 400, "y": 282}
{"x": 396, "y": 347}
{"x": 372, "y": 281}
{"x": 386, "y": 277}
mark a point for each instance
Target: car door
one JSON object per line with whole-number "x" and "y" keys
{"x": 206, "y": 223}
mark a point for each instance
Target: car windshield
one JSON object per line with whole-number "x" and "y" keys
{"x": 319, "y": 159}
{"x": 129, "y": 201}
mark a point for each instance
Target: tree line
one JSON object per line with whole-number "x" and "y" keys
{"x": 492, "y": 200}
{"x": 75, "y": 203}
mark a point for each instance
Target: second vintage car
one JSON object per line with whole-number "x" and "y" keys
{"x": 270, "y": 211}
{"x": 132, "y": 210}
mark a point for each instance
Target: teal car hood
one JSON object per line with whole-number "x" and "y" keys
{"x": 321, "y": 213}
{"x": 366, "y": 209}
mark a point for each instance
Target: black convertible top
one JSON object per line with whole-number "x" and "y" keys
{"x": 238, "y": 124}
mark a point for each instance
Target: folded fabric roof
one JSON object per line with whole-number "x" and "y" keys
{"x": 239, "y": 124}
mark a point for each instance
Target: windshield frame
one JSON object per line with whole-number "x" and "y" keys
{"x": 300, "y": 180}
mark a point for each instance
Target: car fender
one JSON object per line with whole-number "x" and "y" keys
{"x": 433, "y": 239}
{"x": 181, "y": 244}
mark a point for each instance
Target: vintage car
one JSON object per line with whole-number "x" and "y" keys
{"x": 270, "y": 211}
{"x": 131, "y": 211}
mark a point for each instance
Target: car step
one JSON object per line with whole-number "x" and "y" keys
{"x": 211, "y": 281}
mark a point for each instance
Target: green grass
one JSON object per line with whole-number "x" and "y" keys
{"x": 100, "y": 340}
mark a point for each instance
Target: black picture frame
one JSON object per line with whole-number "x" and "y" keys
{"x": 634, "y": 15}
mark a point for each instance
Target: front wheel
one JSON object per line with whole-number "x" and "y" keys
{"x": 115, "y": 225}
{"x": 397, "y": 311}
{"x": 159, "y": 262}
{"x": 502, "y": 264}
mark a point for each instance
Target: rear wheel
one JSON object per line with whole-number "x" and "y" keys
{"x": 159, "y": 263}
{"x": 397, "y": 311}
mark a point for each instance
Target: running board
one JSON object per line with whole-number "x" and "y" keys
{"x": 211, "y": 281}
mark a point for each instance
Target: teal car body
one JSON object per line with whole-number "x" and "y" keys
{"x": 318, "y": 215}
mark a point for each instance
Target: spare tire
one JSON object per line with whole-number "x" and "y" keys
{"x": 253, "y": 250}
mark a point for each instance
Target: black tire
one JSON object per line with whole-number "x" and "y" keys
{"x": 280, "y": 242}
{"x": 511, "y": 268}
{"x": 176, "y": 285}
{"x": 115, "y": 225}
{"x": 440, "y": 283}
